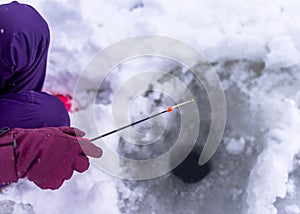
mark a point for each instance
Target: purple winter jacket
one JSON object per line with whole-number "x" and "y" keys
{"x": 24, "y": 43}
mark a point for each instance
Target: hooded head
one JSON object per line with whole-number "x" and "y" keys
{"x": 24, "y": 43}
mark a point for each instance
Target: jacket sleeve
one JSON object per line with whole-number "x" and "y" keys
{"x": 8, "y": 172}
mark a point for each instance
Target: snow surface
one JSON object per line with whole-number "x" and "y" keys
{"x": 235, "y": 146}
{"x": 253, "y": 45}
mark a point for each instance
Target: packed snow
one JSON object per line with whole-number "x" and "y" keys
{"x": 254, "y": 46}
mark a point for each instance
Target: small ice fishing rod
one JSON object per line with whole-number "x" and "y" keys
{"x": 169, "y": 109}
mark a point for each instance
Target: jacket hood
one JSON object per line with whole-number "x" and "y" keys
{"x": 24, "y": 43}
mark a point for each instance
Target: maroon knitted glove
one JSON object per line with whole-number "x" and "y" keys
{"x": 46, "y": 156}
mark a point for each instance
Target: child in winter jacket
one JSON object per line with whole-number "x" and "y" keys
{"x": 35, "y": 138}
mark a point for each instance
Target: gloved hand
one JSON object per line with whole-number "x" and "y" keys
{"x": 46, "y": 156}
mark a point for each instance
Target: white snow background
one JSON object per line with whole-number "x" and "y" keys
{"x": 223, "y": 31}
